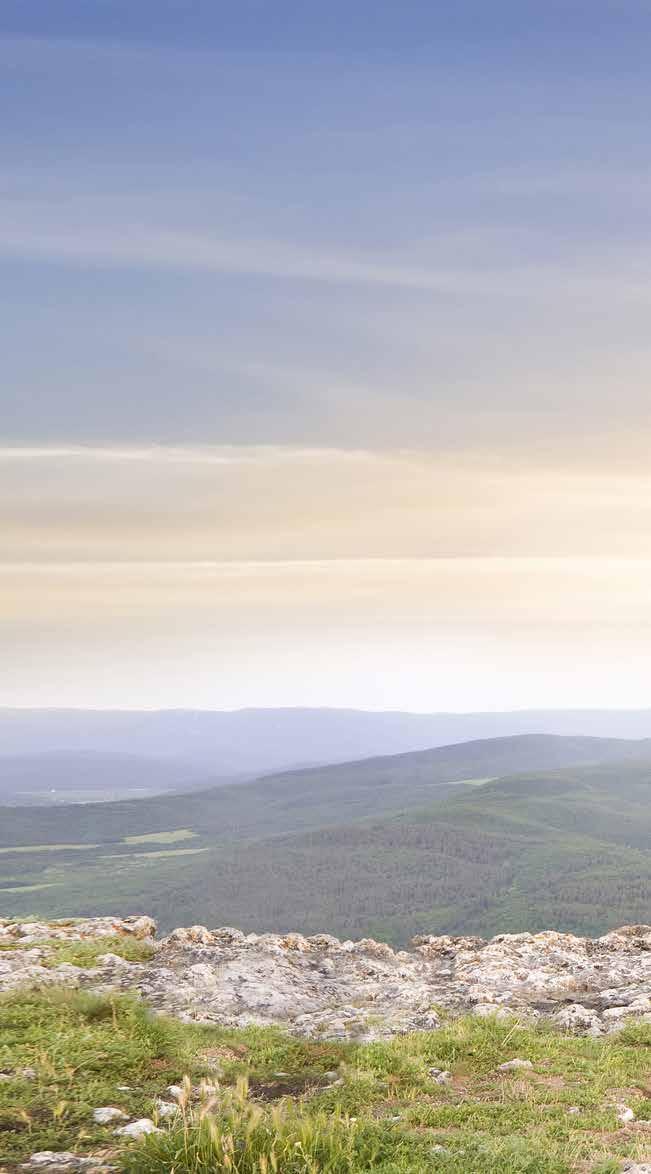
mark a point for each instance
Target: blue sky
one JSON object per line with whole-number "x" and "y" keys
{"x": 300, "y": 284}
{"x": 425, "y": 206}
{"x": 336, "y": 27}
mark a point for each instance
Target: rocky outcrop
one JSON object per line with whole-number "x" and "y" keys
{"x": 320, "y": 987}
{"x": 75, "y": 929}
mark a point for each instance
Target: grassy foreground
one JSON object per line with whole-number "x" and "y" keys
{"x": 302, "y": 1107}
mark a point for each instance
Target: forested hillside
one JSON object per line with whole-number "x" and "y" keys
{"x": 568, "y": 847}
{"x": 311, "y": 798}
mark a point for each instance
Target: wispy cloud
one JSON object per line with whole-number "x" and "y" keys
{"x": 197, "y": 505}
{"x": 42, "y": 237}
{"x": 122, "y": 246}
{"x": 180, "y": 454}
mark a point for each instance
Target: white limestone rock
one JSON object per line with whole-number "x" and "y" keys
{"x": 318, "y": 987}
{"x": 107, "y": 1114}
{"x": 625, "y": 1115}
{"x": 137, "y": 1128}
{"x": 64, "y": 1162}
{"x": 165, "y": 1109}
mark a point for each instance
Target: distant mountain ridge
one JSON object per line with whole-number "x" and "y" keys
{"x": 74, "y": 776}
{"x": 254, "y": 741}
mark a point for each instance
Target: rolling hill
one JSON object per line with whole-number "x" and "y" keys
{"x": 310, "y": 798}
{"x": 389, "y": 847}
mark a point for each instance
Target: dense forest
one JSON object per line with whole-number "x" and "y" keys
{"x": 567, "y": 848}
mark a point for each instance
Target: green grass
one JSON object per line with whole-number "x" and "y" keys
{"x": 472, "y": 782}
{"x": 279, "y": 1107}
{"x": 81, "y": 1048}
{"x": 171, "y": 837}
{"x": 86, "y": 953}
{"x": 49, "y": 848}
{"x": 17, "y": 888}
{"x": 160, "y": 855}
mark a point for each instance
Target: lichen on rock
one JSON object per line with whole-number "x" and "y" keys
{"x": 321, "y": 987}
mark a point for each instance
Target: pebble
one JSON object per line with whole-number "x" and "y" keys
{"x": 137, "y": 1128}
{"x": 166, "y": 1108}
{"x": 107, "y": 1114}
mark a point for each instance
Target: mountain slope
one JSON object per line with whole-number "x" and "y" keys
{"x": 570, "y": 847}
{"x": 310, "y": 798}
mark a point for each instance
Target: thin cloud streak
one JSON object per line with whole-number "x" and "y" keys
{"x": 181, "y": 454}
{"x": 136, "y": 247}
{"x": 275, "y": 506}
{"x": 564, "y": 563}
{"x": 119, "y": 248}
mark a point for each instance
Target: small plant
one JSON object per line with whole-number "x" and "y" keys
{"x": 234, "y": 1134}
{"x": 86, "y": 953}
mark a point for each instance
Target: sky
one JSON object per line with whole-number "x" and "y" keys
{"x": 326, "y": 366}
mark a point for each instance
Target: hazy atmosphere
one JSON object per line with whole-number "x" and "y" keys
{"x": 325, "y": 355}
{"x": 325, "y": 586}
